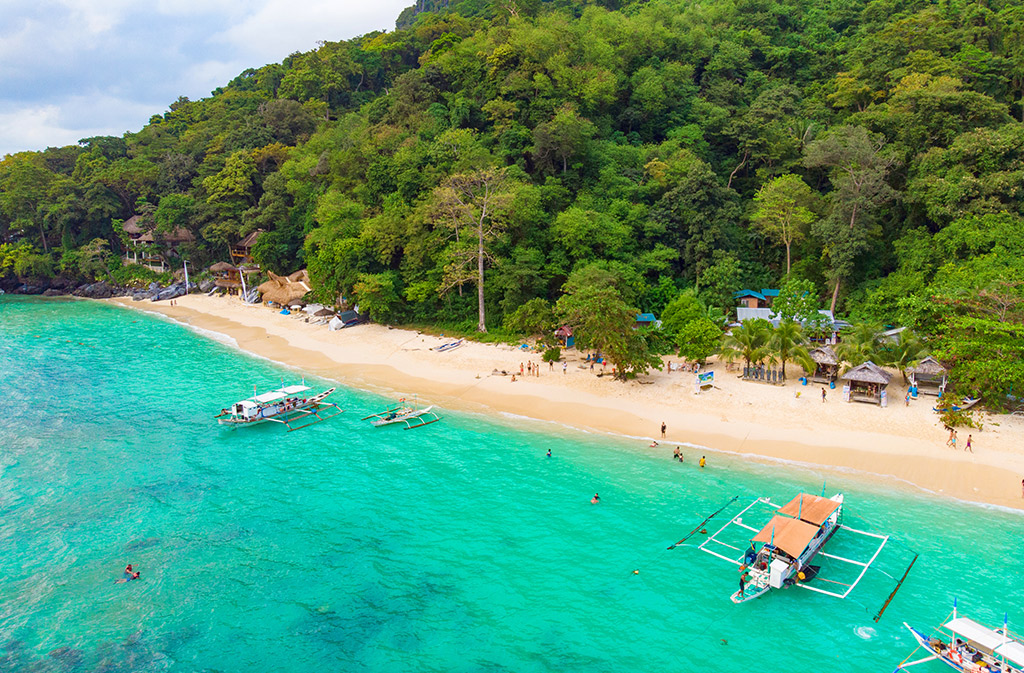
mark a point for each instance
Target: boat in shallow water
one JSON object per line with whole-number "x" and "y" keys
{"x": 403, "y": 412}
{"x": 965, "y": 645}
{"x": 287, "y": 405}
{"x": 781, "y": 552}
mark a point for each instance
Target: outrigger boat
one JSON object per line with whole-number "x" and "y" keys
{"x": 965, "y": 645}
{"x": 402, "y": 412}
{"x": 781, "y": 552}
{"x": 284, "y": 405}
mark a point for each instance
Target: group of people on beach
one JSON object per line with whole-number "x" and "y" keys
{"x": 953, "y": 439}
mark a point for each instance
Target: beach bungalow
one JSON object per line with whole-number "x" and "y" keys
{"x": 928, "y": 376}
{"x": 151, "y": 249}
{"x": 867, "y": 383}
{"x": 826, "y": 365}
{"x": 565, "y": 337}
{"x": 754, "y": 299}
{"x": 241, "y": 252}
{"x": 227, "y": 276}
{"x": 285, "y": 290}
{"x": 645, "y": 320}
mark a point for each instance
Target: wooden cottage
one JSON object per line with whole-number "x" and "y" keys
{"x": 149, "y": 248}
{"x": 241, "y": 252}
{"x": 867, "y": 383}
{"x": 929, "y": 376}
{"x": 565, "y": 337}
{"x": 826, "y": 363}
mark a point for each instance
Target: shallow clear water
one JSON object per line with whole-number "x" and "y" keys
{"x": 454, "y": 547}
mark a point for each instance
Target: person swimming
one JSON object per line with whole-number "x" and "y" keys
{"x": 549, "y": 453}
{"x": 128, "y": 570}
{"x": 596, "y": 499}
{"x": 132, "y": 576}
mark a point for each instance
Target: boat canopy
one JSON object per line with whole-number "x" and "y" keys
{"x": 975, "y": 632}
{"x": 790, "y": 535}
{"x": 279, "y": 394}
{"x": 811, "y": 508}
{"x": 1012, "y": 651}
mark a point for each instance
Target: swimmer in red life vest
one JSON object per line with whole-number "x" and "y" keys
{"x": 596, "y": 499}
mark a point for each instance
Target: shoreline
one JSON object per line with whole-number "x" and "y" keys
{"x": 746, "y": 419}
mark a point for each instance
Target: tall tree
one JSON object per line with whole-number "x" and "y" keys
{"x": 858, "y": 165}
{"x": 784, "y": 211}
{"x": 472, "y": 207}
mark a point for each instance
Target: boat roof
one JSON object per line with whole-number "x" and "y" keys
{"x": 279, "y": 394}
{"x": 1013, "y": 651}
{"x": 811, "y": 508}
{"x": 975, "y": 632}
{"x": 790, "y": 535}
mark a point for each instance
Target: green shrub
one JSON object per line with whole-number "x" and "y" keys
{"x": 552, "y": 354}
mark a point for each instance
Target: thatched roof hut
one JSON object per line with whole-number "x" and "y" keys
{"x": 131, "y": 226}
{"x": 928, "y": 376}
{"x": 867, "y": 382}
{"x": 222, "y": 267}
{"x": 826, "y": 364}
{"x": 868, "y": 372}
{"x": 285, "y": 290}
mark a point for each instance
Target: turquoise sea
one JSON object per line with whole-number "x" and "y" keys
{"x": 454, "y": 547}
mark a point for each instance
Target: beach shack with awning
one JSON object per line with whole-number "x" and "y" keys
{"x": 565, "y": 337}
{"x": 867, "y": 383}
{"x": 826, "y": 364}
{"x": 928, "y": 376}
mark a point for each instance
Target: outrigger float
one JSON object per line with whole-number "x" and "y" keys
{"x": 403, "y": 412}
{"x": 965, "y": 645}
{"x": 285, "y": 405}
{"x": 781, "y": 552}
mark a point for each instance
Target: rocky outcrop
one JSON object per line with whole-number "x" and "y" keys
{"x": 100, "y": 290}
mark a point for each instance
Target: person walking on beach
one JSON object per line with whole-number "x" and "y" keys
{"x": 520, "y": 369}
{"x": 822, "y": 394}
{"x": 951, "y": 440}
{"x": 906, "y": 400}
{"x": 663, "y": 426}
{"x": 954, "y": 440}
{"x": 565, "y": 367}
{"x": 551, "y": 365}
{"x": 968, "y": 446}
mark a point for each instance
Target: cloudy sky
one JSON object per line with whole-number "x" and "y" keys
{"x": 71, "y": 69}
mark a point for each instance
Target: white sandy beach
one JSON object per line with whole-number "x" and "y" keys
{"x": 772, "y": 422}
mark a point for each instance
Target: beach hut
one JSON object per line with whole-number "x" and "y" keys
{"x": 826, "y": 364}
{"x": 241, "y": 252}
{"x": 645, "y": 320}
{"x": 565, "y": 337}
{"x": 867, "y": 383}
{"x": 928, "y": 376}
{"x": 227, "y": 276}
{"x": 285, "y": 290}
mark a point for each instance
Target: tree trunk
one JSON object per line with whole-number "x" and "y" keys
{"x": 835, "y": 295}
{"x": 787, "y": 258}
{"x": 482, "y": 326}
{"x": 42, "y": 235}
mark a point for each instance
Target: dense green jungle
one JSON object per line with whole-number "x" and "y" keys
{"x": 504, "y": 165}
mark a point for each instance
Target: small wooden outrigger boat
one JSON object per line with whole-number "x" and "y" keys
{"x": 965, "y": 645}
{"x": 402, "y": 412}
{"x": 285, "y": 405}
{"x": 781, "y": 552}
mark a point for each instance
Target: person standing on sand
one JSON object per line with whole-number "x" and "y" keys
{"x": 663, "y": 427}
{"x": 520, "y": 369}
{"x": 950, "y": 441}
{"x": 968, "y": 446}
{"x": 822, "y": 394}
{"x": 954, "y": 440}
{"x": 551, "y": 365}
{"x": 565, "y": 367}
{"x": 906, "y": 400}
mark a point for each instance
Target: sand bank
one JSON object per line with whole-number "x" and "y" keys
{"x": 788, "y": 422}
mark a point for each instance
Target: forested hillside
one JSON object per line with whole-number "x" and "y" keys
{"x": 872, "y": 151}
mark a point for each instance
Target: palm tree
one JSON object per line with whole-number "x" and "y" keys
{"x": 749, "y": 341}
{"x": 859, "y": 344}
{"x": 788, "y": 342}
{"x": 905, "y": 352}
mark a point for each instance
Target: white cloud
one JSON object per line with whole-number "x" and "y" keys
{"x": 74, "y": 68}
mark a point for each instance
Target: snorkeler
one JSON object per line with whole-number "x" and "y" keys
{"x": 133, "y": 576}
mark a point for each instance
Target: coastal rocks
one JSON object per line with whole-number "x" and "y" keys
{"x": 100, "y": 290}
{"x": 206, "y": 286}
{"x": 172, "y": 291}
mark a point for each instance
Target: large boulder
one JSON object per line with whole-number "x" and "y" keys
{"x": 206, "y": 286}
{"x": 100, "y": 290}
{"x": 54, "y": 292}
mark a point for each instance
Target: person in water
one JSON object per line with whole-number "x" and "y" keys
{"x": 132, "y": 576}
{"x": 128, "y": 570}
{"x": 703, "y": 462}
{"x": 596, "y": 499}
{"x": 549, "y": 453}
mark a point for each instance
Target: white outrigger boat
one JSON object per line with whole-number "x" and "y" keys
{"x": 965, "y": 645}
{"x": 403, "y": 412}
{"x": 284, "y": 405}
{"x": 789, "y": 542}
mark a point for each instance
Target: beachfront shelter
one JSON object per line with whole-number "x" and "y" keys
{"x": 285, "y": 290}
{"x": 929, "y": 376}
{"x": 826, "y": 364}
{"x": 565, "y": 337}
{"x": 867, "y": 382}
